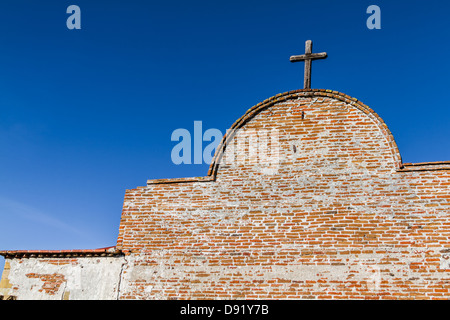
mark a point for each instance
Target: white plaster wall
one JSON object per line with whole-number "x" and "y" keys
{"x": 94, "y": 278}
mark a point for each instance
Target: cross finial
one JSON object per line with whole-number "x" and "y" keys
{"x": 308, "y": 57}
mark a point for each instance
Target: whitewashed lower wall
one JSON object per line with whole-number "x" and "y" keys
{"x": 85, "y": 278}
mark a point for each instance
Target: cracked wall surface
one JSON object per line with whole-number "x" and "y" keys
{"x": 85, "y": 278}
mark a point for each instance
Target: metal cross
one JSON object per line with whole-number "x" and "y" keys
{"x": 308, "y": 57}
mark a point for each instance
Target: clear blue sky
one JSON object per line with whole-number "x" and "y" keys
{"x": 86, "y": 114}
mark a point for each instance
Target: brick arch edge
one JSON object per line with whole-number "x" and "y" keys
{"x": 253, "y": 111}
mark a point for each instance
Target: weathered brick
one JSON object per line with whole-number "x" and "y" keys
{"x": 339, "y": 216}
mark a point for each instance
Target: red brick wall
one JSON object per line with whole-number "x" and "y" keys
{"x": 338, "y": 216}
